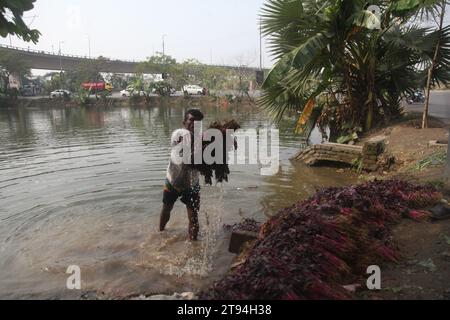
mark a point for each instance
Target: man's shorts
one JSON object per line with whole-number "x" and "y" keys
{"x": 190, "y": 197}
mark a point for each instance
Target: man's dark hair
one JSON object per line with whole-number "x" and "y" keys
{"x": 197, "y": 114}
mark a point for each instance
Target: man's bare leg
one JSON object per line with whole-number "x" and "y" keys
{"x": 193, "y": 224}
{"x": 165, "y": 216}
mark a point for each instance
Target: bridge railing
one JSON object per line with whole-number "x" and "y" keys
{"x": 111, "y": 60}
{"x": 62, "y": 54}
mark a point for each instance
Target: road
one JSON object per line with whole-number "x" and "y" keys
{"x": 439, "y": 105}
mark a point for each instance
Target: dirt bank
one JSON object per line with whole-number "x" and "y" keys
{"x": 122, "y": 102}
{"x": 424, "y": 271}
{"x": 415, "y": 158}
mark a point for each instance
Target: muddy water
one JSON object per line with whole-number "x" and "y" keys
{"x": 83, "y": 187}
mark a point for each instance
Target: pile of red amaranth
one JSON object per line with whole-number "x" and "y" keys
{"x": 315, "y": 247}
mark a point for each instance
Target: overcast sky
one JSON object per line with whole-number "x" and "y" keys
{"x": 217, "y": 31}
{"x": 224, "y": 31}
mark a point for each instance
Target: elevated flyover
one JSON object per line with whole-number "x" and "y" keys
{"x": 53, "y": 61}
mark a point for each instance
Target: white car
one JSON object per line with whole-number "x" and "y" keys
{"x": 129, "y": 93}
{"x": 193, "y": 90}
{"x": 60, "y": 93}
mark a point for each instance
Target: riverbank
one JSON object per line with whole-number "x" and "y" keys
{"x": 417, "y": 257}
{"x": 420, "y": 155}
{"x": 420, "y": 269}
{"x": 125, "y": 102}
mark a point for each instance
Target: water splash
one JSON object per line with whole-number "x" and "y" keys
{"x": 173, "y": 255}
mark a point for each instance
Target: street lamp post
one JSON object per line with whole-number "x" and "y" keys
{"x": 89, "y": 44}
{"x": 60, "y": 65}
{"x": 164, "y": 55}
{"x": 164, "y": 44}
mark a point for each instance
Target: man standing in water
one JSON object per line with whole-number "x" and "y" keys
{"x": 182, "y": 180}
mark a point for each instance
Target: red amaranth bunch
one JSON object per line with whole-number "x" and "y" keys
{"x": 250, "y": 225}
{"x": 219, "y": 171}
{"x": 309, "y": 250}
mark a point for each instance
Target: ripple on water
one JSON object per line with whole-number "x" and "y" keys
{"x": 84, "y": 186}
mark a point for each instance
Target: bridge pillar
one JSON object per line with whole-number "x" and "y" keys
{"x": 15, "y": 81}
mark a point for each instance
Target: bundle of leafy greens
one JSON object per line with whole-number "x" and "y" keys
{"x": 219, "y": 169}
{"x": 315, "y": 247}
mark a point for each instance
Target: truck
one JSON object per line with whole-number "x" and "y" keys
{"x": 97, "y": 86}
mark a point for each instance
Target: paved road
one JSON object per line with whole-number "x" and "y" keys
{"x": 439, "y": 105}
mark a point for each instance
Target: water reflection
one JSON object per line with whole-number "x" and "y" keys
{"x": 84, "y": 186}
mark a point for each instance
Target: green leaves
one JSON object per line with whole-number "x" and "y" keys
{"x": 308, "y": 51}
{"x": 402, "y": 6}
{"x": 360, "y": 61}
{"x": 11, "y": 22}
{"x": 277, "y": 14}
{"x": 367, "y": 19}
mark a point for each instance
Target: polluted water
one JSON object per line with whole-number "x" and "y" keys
{"x": 172, "y": 254}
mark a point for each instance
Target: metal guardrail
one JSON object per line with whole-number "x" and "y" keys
{"x": 62, "y": 55}
{"x": 108, "y": 59}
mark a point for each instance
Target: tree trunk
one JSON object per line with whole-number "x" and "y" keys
{"x": 431, "y": 70}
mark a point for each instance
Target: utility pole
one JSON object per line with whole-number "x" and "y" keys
{"x": 432, "y": 68}
{"x": 164, "y": 57}
{"x": 164, "y": 45}
{"x": 260, "y": 43}
{"x": 60, "y": 66}
{"x": 89, "y": 43}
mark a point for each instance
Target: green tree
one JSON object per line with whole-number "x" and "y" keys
{"x": 11, "y": 20}
{"x": 157, "y": 64}
{"x": 118, "y": 81}
{"x": 88, "y": 71}
{"x": 352, "y": 63}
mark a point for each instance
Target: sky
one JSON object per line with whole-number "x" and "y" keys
{"x": 211, "y": 31}
{"x": 217, "y": 31}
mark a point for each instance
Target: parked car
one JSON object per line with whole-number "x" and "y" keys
{"x": 131, "y": 92}
{"x": 193, "y": 90}
{"x": 60, "y": 93}
{"x": 416, "y": 97}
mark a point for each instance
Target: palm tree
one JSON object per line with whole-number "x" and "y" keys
{"x": 352, "y": 61}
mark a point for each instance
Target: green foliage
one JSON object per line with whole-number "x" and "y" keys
{"x": 193, "y": 72}
{"x": 88, "y": 71}
{"x": 361, "y": 63}
{"x": 349, "y": 134}
{"x": 11, "y": 20}
{"x": 357, "y": 164}
{"x": 436, "y": 159}
{"x": 162, "y": 88}
{"x": 83, "y": 97}
{"x": 118, "y": 82}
